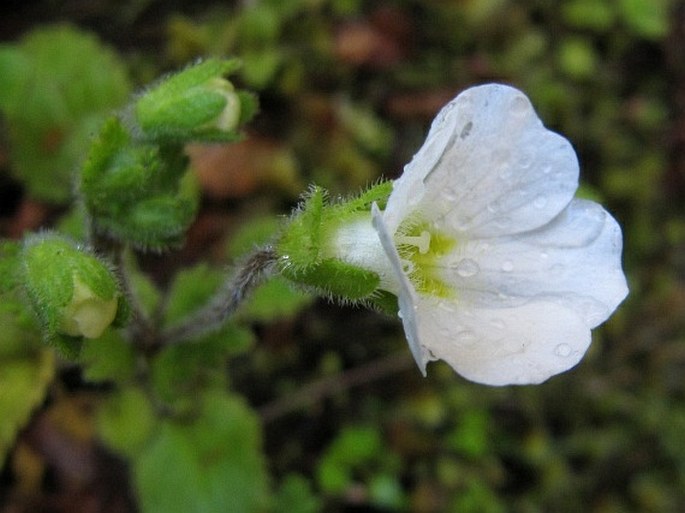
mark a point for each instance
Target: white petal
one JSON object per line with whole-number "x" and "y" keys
{"x": 574, "y": 261}
{"x": 407, "y": 297}
{"x": 488, "y": 167}
{"x": 515, "y": 346}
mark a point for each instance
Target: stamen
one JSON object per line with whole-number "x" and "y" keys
{"x": 422, "y": 242}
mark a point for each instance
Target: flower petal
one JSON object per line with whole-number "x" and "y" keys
{"x": 512, "y": 346}
{"x": 407, "y": 297}
{"x": 574, "y": 261}
{"x": 488, "y": 168}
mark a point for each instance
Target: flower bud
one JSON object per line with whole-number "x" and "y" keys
{"x": 71, "y": 291}
{"x": 195, "y": 104}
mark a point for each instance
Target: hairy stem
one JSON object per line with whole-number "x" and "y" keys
{"x": 255, "y": 269}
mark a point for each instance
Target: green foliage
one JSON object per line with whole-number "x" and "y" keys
{"x": 210, "y": 464}
{"x": 604, "y": 74}
{"x": 109, "y": 358}
{"x": 24, "y": 378}
{"x": 295, "y": 496}
{"x": 358, "y": 453}
{"x": 138, "y": 192}
{"x": 58, "y": 83}
{"x": 127, "y": 422}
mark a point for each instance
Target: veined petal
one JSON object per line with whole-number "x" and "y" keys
{"x": 574, "y": 261}
{"x": 488, "y": 168}
{"x": 522, "y": 345}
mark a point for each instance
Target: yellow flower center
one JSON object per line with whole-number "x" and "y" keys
{"x": 420, "y": 247}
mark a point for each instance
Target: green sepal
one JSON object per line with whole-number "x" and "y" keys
{"x": 300, "y": 243}
{"x": 116, "y": 171}
{"x": 336, "y": 278}
{"x": 194, "y": 104}
{"x": 385, "y": 302}
{"x": 138, "y": 193}
{"x": 304, "y": 241}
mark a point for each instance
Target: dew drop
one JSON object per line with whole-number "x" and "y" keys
{"x": 546, "y": 170}
{"x": 466, "y": 130}
{"x": 505, "y": 171}
{"x": 519, "y": 106}
{"x": 540, "y": 202}
{"x": 444, "y": 305}
{"x": 563, "y": 350}
{"x": 448, "y": 195}
{"x": 525, "y": 160}
{"x": 466, "y": 337}
{"x": 507, "y": 266}
{"x": 544, "y": 255}
{"x": 461, "y": 225}
{"x": 467, "y": 268}
{"x": 556, "y": 269}
{"x": 498, "y": 324}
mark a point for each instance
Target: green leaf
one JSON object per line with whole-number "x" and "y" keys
{"x": 274, "y": 299}
{"x": 23, "y": 384}
{"x": 179, "y": 371}
{"x": 354, "y": 447}
{"x": 58, "y": 84}
{"x": 647, "y": 18}
{"x": 190, "y": 290}
{"x": 108, "y": 358}
{"x": 212, "y": 463}
{"x": 295, "y": 495}
{"x": 126, "y": 422}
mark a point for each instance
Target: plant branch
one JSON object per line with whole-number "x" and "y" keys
{"x": 320, "y": 389}
{"x": 255, "y": 269}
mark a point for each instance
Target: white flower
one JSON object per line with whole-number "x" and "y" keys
{"x": 499, "y": 271}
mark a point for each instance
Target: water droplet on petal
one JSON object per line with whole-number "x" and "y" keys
{"x": 519, "y": 106}
{"x": 546, "y": 170}
{"x": 466, "y": 337}
{"x": 544, "y": 255}
{"x": 467, "y": 268}
{"x": 498, "y": 324}
{"x": 525, "y": 160}
{"x": 556, "y": 269}
{"x": 448, "y": 195}
{"x": 540, "y": 201}
{"x": 563, "y": 350}
{"x": 444, "y": 305}
{"x": 507, "y": 266}
{"x": 459, "y": 224}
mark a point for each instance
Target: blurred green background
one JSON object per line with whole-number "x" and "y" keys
{"x": 347, "y": 91}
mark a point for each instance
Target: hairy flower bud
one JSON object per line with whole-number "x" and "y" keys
{"x": 195, "y": 104}
{"x": 71, "y": 291}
